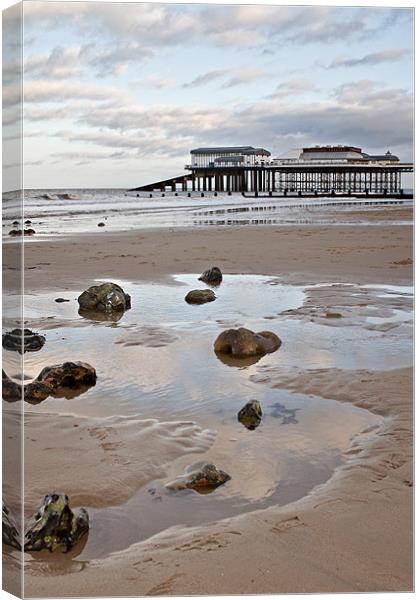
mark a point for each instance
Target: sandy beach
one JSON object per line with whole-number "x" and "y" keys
{"x": 351, "y": 529}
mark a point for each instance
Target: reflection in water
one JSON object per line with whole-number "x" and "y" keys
{"x": 288, "y": 415}
{"x": 157, "y": 361}
{"x": 97, "y": 315}
{"x": 234, "y": 361}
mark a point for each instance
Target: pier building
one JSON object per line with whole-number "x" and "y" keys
{"x": 310, "y": 171}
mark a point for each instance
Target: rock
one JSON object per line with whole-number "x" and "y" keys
{"x": 28, "y": 222}
{"x": 61, "y": 300}
{"x": 203, "y": 477}
{"x": 333, "y": 315}
{"x": 55, "y": 525}
{"x": 107, "y": 297}
{"x": 11, "y": 391}
{"x": 200, "y": 296}
{"x": 10, "y": 533}
{"x": 101, "y": 224}
{"x": 30, "y": 342}
{"x": 250, "y": 415}
{"x": 212, "y": 276}
{"x": 242, "y": 343}
{"x": 15, "y": 223}
{"x": 17, "y": 232}
{"x": 55, "y": 379}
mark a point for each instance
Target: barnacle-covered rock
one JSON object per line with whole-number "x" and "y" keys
{"x": 25, "y": 339}
{"x": 250, "y": 415}
{"x": 55, "y": 525}
{"x": 10, "y": 534}
{"x": 200, "y": 296}
{"x": 203, "y": 477}
{"x": 242, "y": 343}
{"x": 107, "y": 297}
{"x": 212, "y": 276}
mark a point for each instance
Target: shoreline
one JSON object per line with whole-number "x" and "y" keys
{"x": 350, "y": 534}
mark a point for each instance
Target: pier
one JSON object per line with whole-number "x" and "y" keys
{"x": 326, "y": 171}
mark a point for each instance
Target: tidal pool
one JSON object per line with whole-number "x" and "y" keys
{"x": 157, "y": 361}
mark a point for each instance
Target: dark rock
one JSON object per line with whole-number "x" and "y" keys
{"x": 61, "y": 300}
{"x": 55, "y": 525}
{"x": 203, "y": 477}
{"x": 15, "y": 223}
{"x": 250, "y": 415}
{"x": 333, "y": 315}
{"x": 36, "y": 392}
{"x": 212, "y": 276}
{"x": 10, "y": 533}
{"x": 11, "y": 391}
{"x": 17, "y": 232}
{"x": 107, "y": 297}
{"x": 241, "y": 343}
{"x": 200, "y": 296}
{"x": 28, "y": 222}
{"x": 101, "y": 224}
{"x": 30, "y": 341}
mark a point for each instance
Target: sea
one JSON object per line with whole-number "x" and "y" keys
{"x": 63, "y": 212}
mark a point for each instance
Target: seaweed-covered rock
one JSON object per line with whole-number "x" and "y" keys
{"x": 10, "y": 533}
{"x": 55, "y": 525}
{"x": 28, "y": 340}
{"x": 11, "y": 391}
{"x": 200, "y": 296}
{"x": 250, "y": 415}
{"x": 212, "y": 276}
{"x": 242, "y": 342}
{"x": 203, "y": 477}
{"x": 107, "y": 297}
{"x": 53, "y": 380}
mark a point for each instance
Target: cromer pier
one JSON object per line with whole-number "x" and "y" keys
{"x": 313, "y": 171}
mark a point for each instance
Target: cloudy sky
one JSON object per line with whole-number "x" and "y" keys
{"x": 117, "y": 94}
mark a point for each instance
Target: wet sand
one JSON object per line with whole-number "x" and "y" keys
{"x": 351, "y": 534}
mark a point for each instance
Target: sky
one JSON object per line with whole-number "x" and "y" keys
{"x": 116, "y": 94}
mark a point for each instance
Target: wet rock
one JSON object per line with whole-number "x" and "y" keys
{"x": 101, "y": 224}
{"x": 11, "y": 391}
{"x": 53, "y": 380}
{"x": 200, "y": 296}
{"x": 107, "y": 297}
{"x": 10, "y": 533}
{"x": 212, "y": 276}
{"x": 250, "y": 415}
{"x": 30, "y": 341}
{"x": 15, "y": 223}
{"x": 28, "y": 222}
{"x": 333, "y": 315}
{"x": 61, "y": 300}
{"x": 241, "y": 343}
{"x": 55, "y": 525}
{"x": 203, "y": 477}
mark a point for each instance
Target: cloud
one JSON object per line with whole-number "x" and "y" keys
{"x": 232, "y": 77}
{"x": 374, "y": 58}
{"x": 294, "y": 87}
{"x": 158, "y": 83}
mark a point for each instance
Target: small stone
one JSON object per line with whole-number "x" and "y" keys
{"x": 203, "y": 477}
{"x": 61, "y": 300}
{"x": 212, "y": 276}
{"x": 57, "y": 378}
{"x": 250, "y": 415}
{"x": 333, "y": 315}
{"x": 101, "y": 224}
{"x": 200, "y": 296}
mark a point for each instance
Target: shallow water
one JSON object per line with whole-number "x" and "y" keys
{"x": 157, "y": 361}
{"x": 70, "y": 212}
